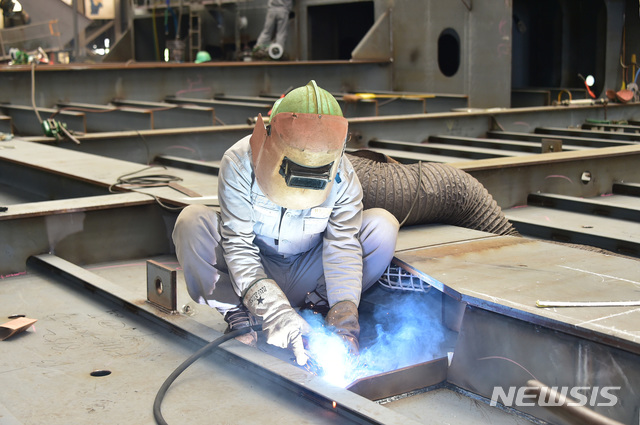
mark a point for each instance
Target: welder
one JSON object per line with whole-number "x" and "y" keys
{"x": 291, "y": 232}
{"x": 276, "y": 19}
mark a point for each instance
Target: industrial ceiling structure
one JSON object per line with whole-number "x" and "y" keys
{"x": 539, "y": 327}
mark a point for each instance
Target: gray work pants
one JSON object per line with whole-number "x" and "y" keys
{"x": 277, "y": 19}
{"x": 197, "y": 240}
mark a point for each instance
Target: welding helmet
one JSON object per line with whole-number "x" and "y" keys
{"x": 296, "y": 156}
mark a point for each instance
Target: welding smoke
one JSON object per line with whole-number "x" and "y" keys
{"x": 403, "y": 331}
{"x": 408, "y": 331}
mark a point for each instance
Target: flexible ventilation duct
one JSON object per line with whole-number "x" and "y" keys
{"x": 428, "y": 192}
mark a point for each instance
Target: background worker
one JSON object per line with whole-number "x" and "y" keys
{"x": 291, "y": 231}
{"x": 277, "y": 19}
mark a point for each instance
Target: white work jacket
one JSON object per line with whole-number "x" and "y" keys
{"x": 252, "y": 226}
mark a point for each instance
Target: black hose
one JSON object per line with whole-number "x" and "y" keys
{"x": 426, "y": 192}
{"x": 157, "y": 404}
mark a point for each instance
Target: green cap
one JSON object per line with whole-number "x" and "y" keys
{"x": 309, "y": 99}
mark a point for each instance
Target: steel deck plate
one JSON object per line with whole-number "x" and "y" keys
{"x": 508, "y": 275}
{"x": 111, "y": 327}
{"x": 79, "y": 332}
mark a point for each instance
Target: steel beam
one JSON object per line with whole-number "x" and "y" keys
{"x": 501, "y": 144}
{"x": 336, "y": 400}
{"x": 614, "y": 235}
{"x": 499, "y": 175}
{"x": 625, "y": 188}
{"x": 208, "y": 167}
{"x": 556, "y": 172}
{"x": 167, "y": 115}
{"x": 457, "y": 151}
{"x": 228, "y": 111}
{"x": 102, "y": 118}
{"x": 196, "y": 143}
{"x": 107, "y": 81}
{"x": 31, "y": 184}
{"x": 624, "y": 128}
{"x": 586, "y": 140}
{"x": 85, "y": 230}
{"x": 601, "y": 134}
{"x": 382, "y": 103}
{"x": 26, "y": 122}
{"x": 612, "y": 206}
{"x": 476, "y": 123}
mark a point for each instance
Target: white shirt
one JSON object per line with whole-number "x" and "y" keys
{"x": 252, "y": 226}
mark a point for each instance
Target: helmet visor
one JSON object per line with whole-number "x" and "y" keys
{"x": 300, "y": 176}
{"x": 298, "y": 161}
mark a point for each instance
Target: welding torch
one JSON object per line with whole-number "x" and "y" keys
{"x": 311, "y": 366}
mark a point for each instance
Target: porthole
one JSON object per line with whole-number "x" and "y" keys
{"x": 449, "y": 52}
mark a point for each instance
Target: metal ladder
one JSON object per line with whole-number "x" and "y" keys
{"x": 195, "y": 35}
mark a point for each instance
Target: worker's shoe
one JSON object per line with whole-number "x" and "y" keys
{"x": 260, "y": 52}
{"x": 316, "y": 303}
{"x": 240, "y": 318}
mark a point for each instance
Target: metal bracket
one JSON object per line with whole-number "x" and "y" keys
{"x": 551, "y": 145}
{"x": 401, "y": 381}
{"x": 161, "y": 287}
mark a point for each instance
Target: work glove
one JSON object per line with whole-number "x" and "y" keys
{"x": 282, "y": 325}
{"x": 343, "y": 318}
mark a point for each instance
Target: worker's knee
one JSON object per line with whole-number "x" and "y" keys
{"x": 193, "y": 219}
{"x": 381, "y": 222}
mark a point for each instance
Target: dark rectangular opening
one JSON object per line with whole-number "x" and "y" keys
{"x": 336, "y": 29}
